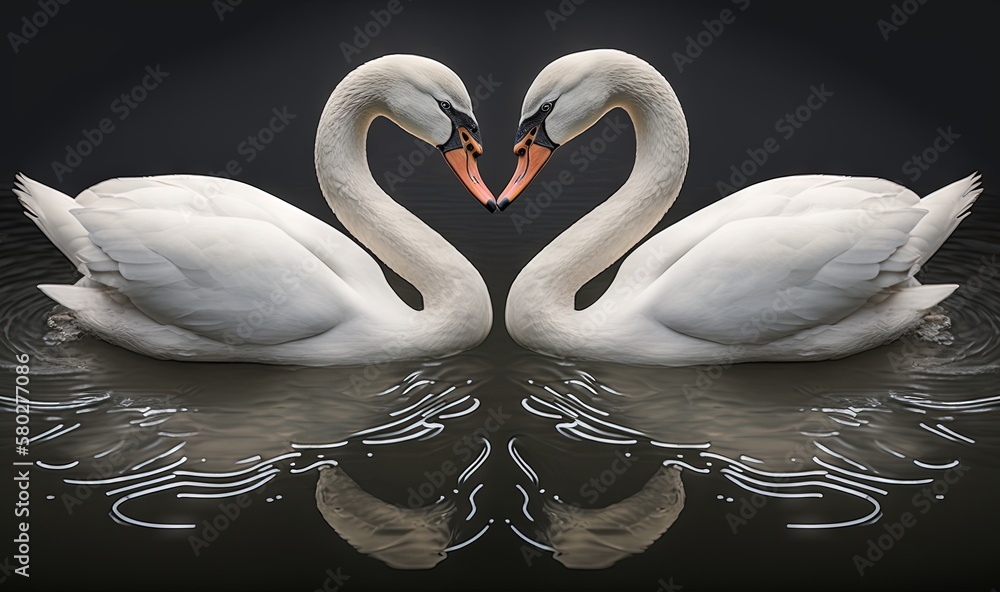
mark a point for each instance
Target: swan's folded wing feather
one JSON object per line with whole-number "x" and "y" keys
{"x": 781, "y": 197}
{"x": 198, "y": 195}
{"x": 234, "y": 280}
{"x": 757, "y": 280}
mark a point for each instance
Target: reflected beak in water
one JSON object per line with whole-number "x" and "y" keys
{"x": 531, "y": 157}
{"x": 462, "y": 160}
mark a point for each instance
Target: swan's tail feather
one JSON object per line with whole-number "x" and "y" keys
{"x": 918, "y": 298}
{"x": 946, "y": 208}
{"x": 72, "y": 297}
{"x": 51, "y": 211}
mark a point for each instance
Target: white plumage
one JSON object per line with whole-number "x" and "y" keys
{"x": 203, "y": 268}
{"x": 796, "y": 268}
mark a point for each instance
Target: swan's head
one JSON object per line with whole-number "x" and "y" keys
{"x": 428, "y": 100}
{"x": 567, "y": 97}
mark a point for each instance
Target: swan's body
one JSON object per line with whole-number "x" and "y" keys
{"x": 798, "y": 268}
{"x": 210, "y": 269}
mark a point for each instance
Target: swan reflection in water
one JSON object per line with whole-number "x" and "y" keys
{"x": 828, "y": 448}
{"x": 420, "y": 538}
{"x": 820, "y": 433}
{"x": 828, "y": 444}
{"x": 842, "y": 442}
{"x": 202, "y": 433}
{"x": 404, "y": 538}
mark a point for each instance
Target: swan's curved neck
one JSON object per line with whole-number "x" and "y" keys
{"x": 549, "y": 283}
{"x": 449, "y": 284}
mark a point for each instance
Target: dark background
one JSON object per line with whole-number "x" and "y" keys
{"x": 226, "y": 75}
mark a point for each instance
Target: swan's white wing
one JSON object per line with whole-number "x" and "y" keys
{"x": 235, "y": 280}
{"x": 782, "y": 197}
{"x": 759, "y": 279}
{"x": 197, "y": 195}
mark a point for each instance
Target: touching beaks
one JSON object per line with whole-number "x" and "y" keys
{"x": 531, "y": 157}
{"x": 462, "y": 160}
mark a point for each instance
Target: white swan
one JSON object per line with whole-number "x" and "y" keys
{"x": 798, "y": 268}
{"x": 202, "y": 268}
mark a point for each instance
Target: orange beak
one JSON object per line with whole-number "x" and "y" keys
{"x": 463, "y": 162}
{"x": 531, "y": 157}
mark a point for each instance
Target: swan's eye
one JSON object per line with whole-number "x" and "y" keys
{"x": 546, "y": 107}
{"x": 445, "y": 105}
